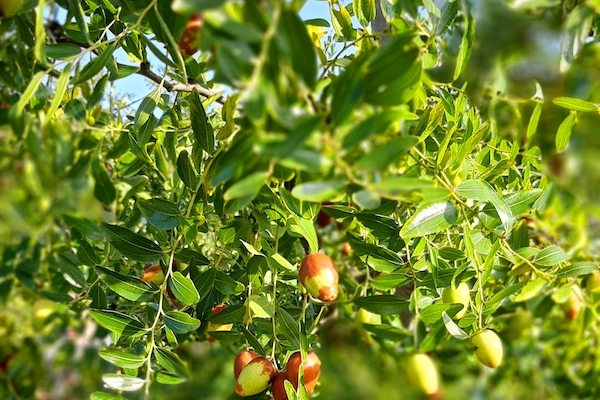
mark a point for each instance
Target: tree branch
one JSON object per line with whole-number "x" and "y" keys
{"x": 57, "y": 31}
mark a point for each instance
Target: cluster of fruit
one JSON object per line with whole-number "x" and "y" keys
{"x": 254, "y": 374}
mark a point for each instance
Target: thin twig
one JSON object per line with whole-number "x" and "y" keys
{"x": 171, "y": 86}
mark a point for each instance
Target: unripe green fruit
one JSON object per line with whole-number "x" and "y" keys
{"x": 519, "y": 323}
{"x": 423, "y": 373}
{"x": 8, "y": 8}
{"x": 255, "y": 377}
{"x": 41, "y": 310}
{"x": 365, "y": 317}
{"x": 459, "y": 295}
{"x": 488, "y": 348}
{"x": 319, "y": 276}
{"x": 311, "y": 367}
{"x": 593, "y": 283}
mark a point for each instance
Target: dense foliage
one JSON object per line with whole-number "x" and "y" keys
{"x": 439, "y": 152}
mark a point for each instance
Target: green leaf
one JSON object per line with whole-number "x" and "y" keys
{"x": 204, "y": 282}
{"x": 253, "y": 342}
{"x": 466, "y": 45}
{"x": 531, "y": 290}
{"x": 71, "y": 271}
{"x": 95, "y": 66}
{"x": 283, "y": 262}
{"x": 364, "y": 10}
{"x": 452, "y": 328}
{"x": 186, "y": 255}
{"x": 131, "y": 244}
{"x": 300, "y": 46}
{"x": 76, "y": 9}
{"x": 183, "y": 288}
{"x": 342, "y": 23}
{"x": 125, "y": 383}
{"x": 122, "y": 359}
{"x": 180, "y": 322}
{"x": 319, "y": 191}
{"x": 160, "y": 213}
{"x": 229, "y": 315}
{"x": 98, "y": 297}
{"x": 227, "y": 285}
{"x": 492, "y": 304}
{"x": 186, "y": 171}
{"x": 170, "y": 362}
{"x": 306, "y": 229}
{"x": 288, "y": 327}
{"x": 40, "y": 34}
{"x": 482, "y": 191}
{"x": 62, "y": 51}
{"x": 347, "y": 90}
{"x": 575, "y": 104}
{"x": 203, "y": 134}
{"x": 248, "y": 187}
{"x": 564, "y": 132}
{"x": 194, "y": 6}
{"x": 397, "y": 186}
{"x": 59, "y": 92}
{"x": 429, "y": 219}
{"x": 577, "y": 269}
{"x": 168, "y": 379}
{"x": 433, "y": 312}
{"x": 128, "y": 287}
{"x": 389, "y": 281}
{"x": 385, "y": 304}
{"x": 394, "y": 72}
{"x": 387, "y": 332}
{"x": 104, "y": 396}
{"x": 104, "y": 190}
{"x": 386, "y": 155}
{"x": 534, "y": 121}
{"x": 551, "y": 256}
{"x": 118, "y": 322}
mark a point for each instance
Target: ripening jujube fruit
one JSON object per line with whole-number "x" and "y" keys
{"x": 255, "y": 377}
{"x": 242, "y": 360}
{"x": 572, "y": 307}
{"x": 488, "y": 348}
{"x": 213, "y": 327}
{"x": 423, "y": 373}
{"x": 311, "y": 367}
{"x": 319, "y": 276}
{"x": 278, "y": 387}
{"x": 188, "y": 44}
{"x": 154, "y": 274}
{"x": 461, "y": 294}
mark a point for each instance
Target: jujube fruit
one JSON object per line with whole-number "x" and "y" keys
{"x": 8, "y": 8}
{"x": 213, "y": 327}
{"x": 572, "y": 307}
{"x": 488, "y": 348}
{"x": 423, "y": 373}
{"x": 324, "y": 219}
{"x": 593, "y": 283}
{"x": 461, "y": 294}
{"x": 319, "y": 276}
{"x": 154, "y": 274}
{"x": 188, "y": 44}
{"x": 311, "y": 367}
{"x": 278, "y": 387}
{"x": 255, "y": 377}
{"x": 242, "y": 360}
